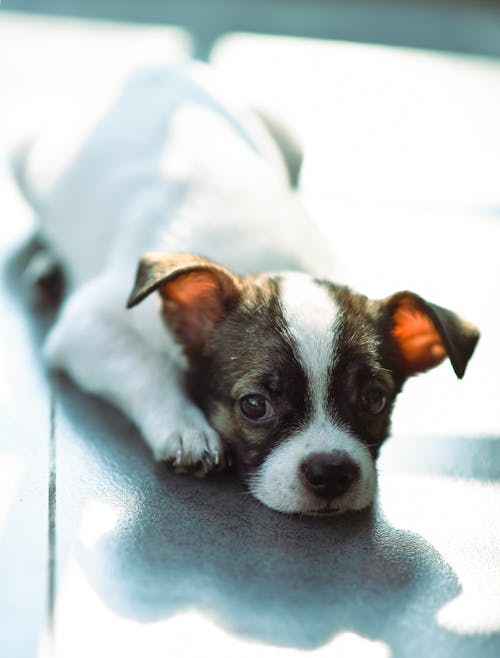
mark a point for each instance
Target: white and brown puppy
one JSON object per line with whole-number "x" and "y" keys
{"x": 293, "y": 376}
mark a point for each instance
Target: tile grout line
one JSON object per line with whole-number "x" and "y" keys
{"x": 51, "y": 537}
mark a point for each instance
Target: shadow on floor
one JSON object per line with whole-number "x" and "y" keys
{"x": 182, "y": 543}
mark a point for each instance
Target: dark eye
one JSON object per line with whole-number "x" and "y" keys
{"x": 256, "y": 407}
{"x": 374, "y": 399}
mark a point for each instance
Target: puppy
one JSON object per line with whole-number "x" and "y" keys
{"x": 198, "y": 299}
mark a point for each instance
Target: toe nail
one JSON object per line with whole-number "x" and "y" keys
{"x": 207, "y": 461}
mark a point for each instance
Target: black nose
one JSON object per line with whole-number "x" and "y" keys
{"x": 329, "y": 474}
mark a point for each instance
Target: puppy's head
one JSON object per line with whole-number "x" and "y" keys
{"x": 299, "y": 376}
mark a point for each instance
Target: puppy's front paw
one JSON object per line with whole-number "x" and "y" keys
{"x": 193, "y": 447}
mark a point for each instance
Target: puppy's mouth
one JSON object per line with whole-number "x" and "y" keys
{"x": 323, "y": 511}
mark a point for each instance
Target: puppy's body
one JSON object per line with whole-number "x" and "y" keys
{"x": 292, "y": 374}
{"x": 169, "y": 167}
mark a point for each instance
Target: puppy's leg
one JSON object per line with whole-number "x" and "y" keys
{"x": 105, "y": 355}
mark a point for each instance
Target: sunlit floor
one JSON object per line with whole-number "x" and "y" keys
{"x": 105, "y": 554}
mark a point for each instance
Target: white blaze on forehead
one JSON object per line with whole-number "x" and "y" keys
{"x": 312, "y": 317}
{"x": 310, "y": 314}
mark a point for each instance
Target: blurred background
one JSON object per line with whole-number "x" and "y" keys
{"x": 452, "y": 25}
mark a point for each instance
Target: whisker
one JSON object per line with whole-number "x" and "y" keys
{"x": 370, "y": 445}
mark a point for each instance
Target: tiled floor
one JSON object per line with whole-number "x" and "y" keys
{"x": 103, "y": 553}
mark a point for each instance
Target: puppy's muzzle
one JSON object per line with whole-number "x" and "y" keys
{"x": 329, "y": 475}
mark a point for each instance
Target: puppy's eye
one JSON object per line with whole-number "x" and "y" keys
{"x": 374, "y": 399}
{"x": 256, "y": 407}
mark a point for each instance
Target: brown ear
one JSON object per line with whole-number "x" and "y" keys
{"x": 425, "y": 334}
{"x": 195, "y": 293}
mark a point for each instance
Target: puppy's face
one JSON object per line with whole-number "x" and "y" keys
{"x": 299, "y": 376}
{"x": 295, "y": 382}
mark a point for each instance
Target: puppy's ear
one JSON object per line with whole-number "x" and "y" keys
{"x": 424, "y": 334}
{"x": 195, "y": 292}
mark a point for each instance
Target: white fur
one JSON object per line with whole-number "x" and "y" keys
{"x": 164, "y": 168}
{"x": 169, "y": 166}
{"x": 278, "y": 486}
{"x": 129, "y": 358}
{"x": 311, "y": 313}
{"x": 312, "y": 317}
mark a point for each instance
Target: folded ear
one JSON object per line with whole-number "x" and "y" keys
{"x": 195, "y": 293}
{"x": 424, "y": 334}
